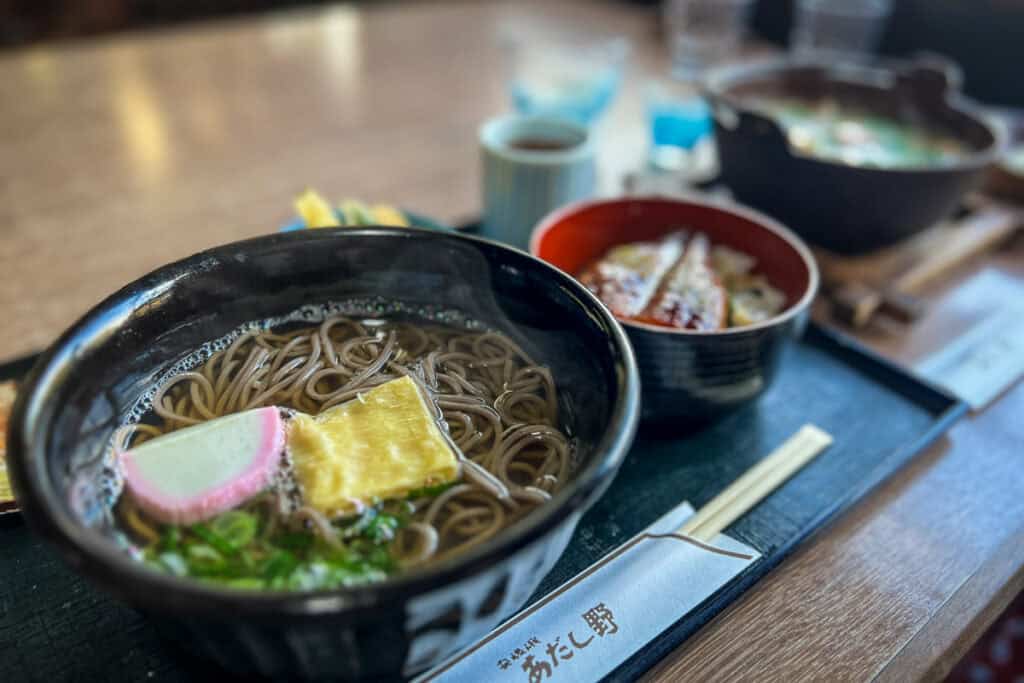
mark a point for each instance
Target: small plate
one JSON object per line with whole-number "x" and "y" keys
{"x": 415, "y": 219}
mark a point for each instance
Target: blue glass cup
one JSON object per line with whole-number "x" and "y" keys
{"x": 678, "y": 120}
{"x": 575, "y": 80}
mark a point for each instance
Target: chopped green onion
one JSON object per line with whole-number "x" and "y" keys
{"x": 207, "y": 534}
{"x": 430, "y": 491}
{"x": 227, "y": 551}
{"x": 296, "y": 542}
{"x": 170, "y": 539}
{"x": 172, "y": 563}
{"x": 382, "y": 528}
{"x": 203, "y": 558}
{"x": 243, "y": 582}
{"x": 279, "y": 565}
{"x": 237, "y": 528}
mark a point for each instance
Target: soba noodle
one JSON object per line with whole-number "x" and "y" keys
{"x": 496, "y": 405}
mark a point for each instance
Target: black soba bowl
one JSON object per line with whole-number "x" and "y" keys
{"x": 85, "y": 383}
{"x": 844, "y": 207}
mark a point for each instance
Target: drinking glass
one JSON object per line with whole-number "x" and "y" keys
{"x": 838, "y": 29}
{"x": 570, "y": 78}
{"x": 679, "y": 119}
{"x": 703, "y": 32}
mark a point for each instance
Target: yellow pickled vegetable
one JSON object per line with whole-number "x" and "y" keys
{"x": 315, "y": 211}
{"x": 7, "y": 395}
{"x": 389, "y": 215}
{"x": 355, "y": 212}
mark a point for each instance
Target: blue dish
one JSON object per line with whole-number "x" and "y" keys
{"x": 415, "y": 219}
{"x": 679, "y": 124}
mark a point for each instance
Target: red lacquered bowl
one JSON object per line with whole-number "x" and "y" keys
{"x": 688, "y": 373}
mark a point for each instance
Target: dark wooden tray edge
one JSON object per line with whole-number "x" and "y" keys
{"x": 947, "y": 409}
{"x": 17, "y": 368}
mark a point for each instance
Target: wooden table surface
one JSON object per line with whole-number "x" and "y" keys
{"x": 123, "y": 153}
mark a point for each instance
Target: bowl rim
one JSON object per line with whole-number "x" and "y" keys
{"x": 104, "y": 563}
{"x": 722, "y": 205}
{"x": 718, "y": 82}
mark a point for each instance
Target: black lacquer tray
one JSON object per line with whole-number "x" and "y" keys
{"x": 54, "y": 626}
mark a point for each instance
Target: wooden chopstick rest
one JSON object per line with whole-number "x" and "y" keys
{"x": 855, "y": 303}
{"x": 756, "y": 483}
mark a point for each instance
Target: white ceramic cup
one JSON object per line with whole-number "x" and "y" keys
{"x": 531, "y": 166}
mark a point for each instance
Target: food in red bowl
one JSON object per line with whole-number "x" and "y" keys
{"x": 709, "y": 292}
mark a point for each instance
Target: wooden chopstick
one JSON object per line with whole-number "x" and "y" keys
{"x": 756, "y": 483}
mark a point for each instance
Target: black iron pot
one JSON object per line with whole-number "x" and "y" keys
{"x": 839, "y": 206}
